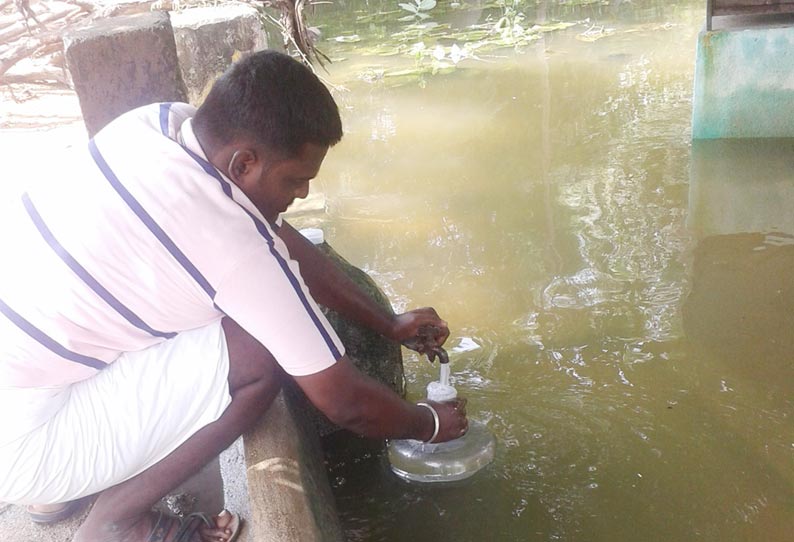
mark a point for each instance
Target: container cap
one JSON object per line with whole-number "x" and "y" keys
{"x": 438, "y": 392}
{"x": 315, "y": 235}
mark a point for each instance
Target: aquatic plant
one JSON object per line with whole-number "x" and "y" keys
{"x": 418, "y": 9}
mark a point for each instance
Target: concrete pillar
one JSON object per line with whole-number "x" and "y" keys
{"x": 744, "y": 79}
{"x": 120, "y": 63}
{"x": 209, "y": 39}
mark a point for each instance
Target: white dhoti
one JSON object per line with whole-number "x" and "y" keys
{"x": 119, "y": 422}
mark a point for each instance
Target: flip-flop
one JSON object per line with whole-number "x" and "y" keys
{"x": 189, "y": 525}
{"x": 234, "y": 524}
{"x": 64, "y": 511}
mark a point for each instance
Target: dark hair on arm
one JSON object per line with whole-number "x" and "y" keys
{"x": 273, "y": 100}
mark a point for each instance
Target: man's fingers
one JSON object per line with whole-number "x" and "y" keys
{"x": 453, "y": 419}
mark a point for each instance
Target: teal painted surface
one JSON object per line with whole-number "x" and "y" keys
{"x": 744, "y": 84}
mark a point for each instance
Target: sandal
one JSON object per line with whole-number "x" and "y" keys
{"x": 61, "y": 512}
{"x": 189, "y": 526}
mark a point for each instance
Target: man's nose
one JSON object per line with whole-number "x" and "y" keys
{"x": 302, "y": 191}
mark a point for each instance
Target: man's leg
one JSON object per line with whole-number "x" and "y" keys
{"x": 120, "y": 512}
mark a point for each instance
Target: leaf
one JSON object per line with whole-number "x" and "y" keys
{"x": 456, "y": 54}
{"x": 423, "y": 16}
{"x": 427, "y": 5}
{"x": 347, "y": 39}
{"x": 406, "y": 18}
{"x": 409, "y": 7}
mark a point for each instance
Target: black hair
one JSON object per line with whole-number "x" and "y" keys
{"x": 273, "y": 100}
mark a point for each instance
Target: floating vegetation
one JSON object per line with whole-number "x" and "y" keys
{"x": 377, "y": 17}
{"x": 438, "y": 48}
{"x": 432, "y": 38}
{"x": 353, "y": 38}
{"x": 594, "y": 33}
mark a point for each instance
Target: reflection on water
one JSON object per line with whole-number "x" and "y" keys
{"x": 741, "y": 185}
{"x": 633, "y": 354}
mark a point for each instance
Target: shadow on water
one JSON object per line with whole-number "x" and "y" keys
{"x": 738, "y": 318}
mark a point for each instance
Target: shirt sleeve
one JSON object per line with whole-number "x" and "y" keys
{"x": 265, "y": 294}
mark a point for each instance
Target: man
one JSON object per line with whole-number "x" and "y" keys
{"x": 155, "y": 298}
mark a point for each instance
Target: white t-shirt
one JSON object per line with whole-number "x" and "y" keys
{"x": 124, "y": 244}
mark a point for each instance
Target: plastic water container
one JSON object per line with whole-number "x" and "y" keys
{"x": 417, "y": 461}
{"x": 315, "y": 235}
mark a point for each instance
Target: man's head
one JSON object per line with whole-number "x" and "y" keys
{"x": 267, "y": 123}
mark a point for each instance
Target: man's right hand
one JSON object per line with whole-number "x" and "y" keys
{"x": 452, "y": 419}
{"x": 360, "y": 404}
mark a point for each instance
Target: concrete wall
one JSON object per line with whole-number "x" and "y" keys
{"x": 744, "y": 80}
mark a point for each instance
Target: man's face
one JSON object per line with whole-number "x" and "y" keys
{"x": 284, "y": 180}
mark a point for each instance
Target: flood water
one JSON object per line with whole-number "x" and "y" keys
{"x": 620, "y": 300}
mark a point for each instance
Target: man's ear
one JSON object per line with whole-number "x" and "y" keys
{"x": 245, "y": 167}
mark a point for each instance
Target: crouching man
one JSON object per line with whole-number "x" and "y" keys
{"x": 152, "y": 299}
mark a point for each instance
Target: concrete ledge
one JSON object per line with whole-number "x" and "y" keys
{"x": 288, "y": 486}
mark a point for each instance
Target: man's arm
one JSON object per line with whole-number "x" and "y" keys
{"x": 331, "y": 287}
{"x": 366, "y": 407}
{"x": 349, "y": 398}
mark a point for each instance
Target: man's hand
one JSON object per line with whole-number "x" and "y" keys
{"x": 362, "y": 405}
{"x": 421, "y": 330}
{"x": 452, "y": 419}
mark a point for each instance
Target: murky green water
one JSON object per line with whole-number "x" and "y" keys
{"x": 635, "y": 336}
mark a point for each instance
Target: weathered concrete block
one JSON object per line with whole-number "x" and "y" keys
{"x": 208, "y": 39}
{"x": 121, "y": 63}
